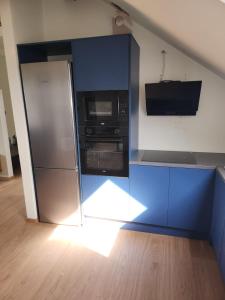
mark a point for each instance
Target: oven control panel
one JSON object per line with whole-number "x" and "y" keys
{"x": 123, "y": 110}
{"x": 104, "y": 131}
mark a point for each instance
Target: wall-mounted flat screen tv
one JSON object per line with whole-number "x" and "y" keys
{"x": 169, "y": 98}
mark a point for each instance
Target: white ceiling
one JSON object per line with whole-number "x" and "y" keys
{"x": 197, "y": 27}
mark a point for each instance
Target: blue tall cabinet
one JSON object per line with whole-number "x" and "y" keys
{"x": 109, "y": 63}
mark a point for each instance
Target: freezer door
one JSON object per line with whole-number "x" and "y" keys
{"x": 58, "y": 196}
{"x": 49, "y": 106}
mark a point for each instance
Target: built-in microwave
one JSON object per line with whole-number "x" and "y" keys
{"x": 98, "y": 107}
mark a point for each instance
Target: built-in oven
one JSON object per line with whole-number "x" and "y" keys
{"x": 100, "y": 107}
{"x": 104, "y": 156}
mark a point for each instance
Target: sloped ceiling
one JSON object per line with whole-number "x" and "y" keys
{"x": 196, "y": 27}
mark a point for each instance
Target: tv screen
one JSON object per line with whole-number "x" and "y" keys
{"x": 179, "y": 98}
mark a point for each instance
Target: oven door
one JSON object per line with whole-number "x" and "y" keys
{"x": 105, "y": 156}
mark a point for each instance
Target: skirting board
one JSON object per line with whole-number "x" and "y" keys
{"x": 4, "y": 178}
{"x": 160, "y": 229}
{"x": 32, "y": 220}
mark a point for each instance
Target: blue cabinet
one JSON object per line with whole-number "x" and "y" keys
{"x": 102, "y": 63}
{"x": 222, "y": 253}
{"x": 218, "y": 222}
{"x": 149, "y": 186}
{"x": 218, "y": 219}
{"x": 179, "y": 198}
{"x": 106, "y": 197}
{"x": 190, "y": 199}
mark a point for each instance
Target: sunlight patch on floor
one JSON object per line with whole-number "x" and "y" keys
{"x": 107, "y": 201}
{"x": 96, "y": 235}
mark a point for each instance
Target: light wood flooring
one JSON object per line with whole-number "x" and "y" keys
{"x": 42, "y": 261}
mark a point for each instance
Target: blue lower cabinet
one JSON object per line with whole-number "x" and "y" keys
{"x": 190, "y": 199}
{"x": 149, "y": 188}
{"x": 218, "y": 218}
{"x": 222, "y": 253}
{"x": 106, "y": 197}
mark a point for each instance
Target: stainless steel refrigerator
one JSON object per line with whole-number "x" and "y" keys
{"x": 50, "y": 119}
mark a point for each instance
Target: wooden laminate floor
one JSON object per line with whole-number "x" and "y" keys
{"x": 41, "y": 261}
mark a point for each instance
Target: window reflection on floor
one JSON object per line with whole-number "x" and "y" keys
{"x": 96, "y": 235}
{"x": 108, "y": 201}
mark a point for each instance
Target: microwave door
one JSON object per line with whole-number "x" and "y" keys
{"x": 99, "y": 109}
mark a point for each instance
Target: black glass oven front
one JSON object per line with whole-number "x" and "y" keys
{"x": 104, "y": 156}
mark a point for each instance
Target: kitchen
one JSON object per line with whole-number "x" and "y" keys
{"x": 156, "y": 191}
{"x": 177, "y": 190}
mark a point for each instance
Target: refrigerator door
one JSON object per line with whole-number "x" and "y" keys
{"x": 58, "y": 196}
{"x": 49, "y": 107}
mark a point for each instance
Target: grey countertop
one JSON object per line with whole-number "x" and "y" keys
{"x": 178, "y": 159}
{"x": 221, "y": 171}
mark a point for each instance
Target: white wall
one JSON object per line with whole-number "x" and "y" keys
{"x": 64, "y": 19}
{"x": 5, "y": 156}
{"x": 20, "y": 23}
{"x": 4, "y": 86}
{"x": 196, "y": 27}
{"x": 27, "y": 20}
{"x": 206, "y": 131}
{"x": 68, "y": 19}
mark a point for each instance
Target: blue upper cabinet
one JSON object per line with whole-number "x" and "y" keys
{"x": 190, "y": 199}
{"x": 149, "y": 187}
{"x": 102, "y": 63}
{"x": 218, "y": 219}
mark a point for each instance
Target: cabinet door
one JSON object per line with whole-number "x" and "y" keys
{"x": 190, "y": 199}
{"x": 101, "y": 63}
{"x": 149, "y": 186}
{"x": 108, "y": 197}
{"x": 218, "y": 218}
{"x": 222, "y": 254}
